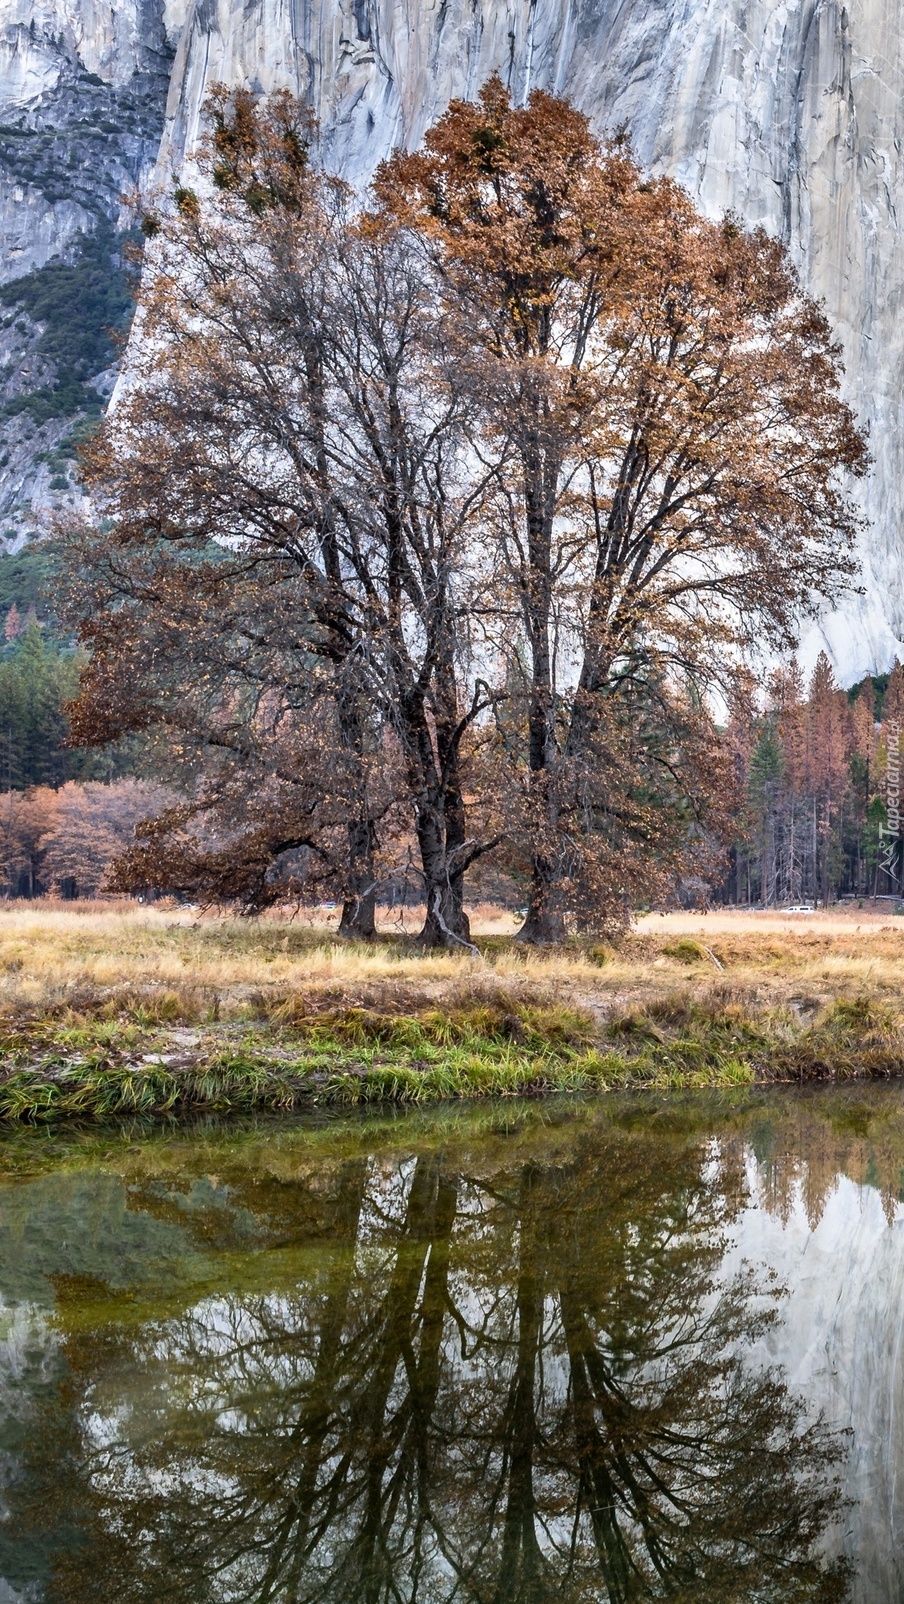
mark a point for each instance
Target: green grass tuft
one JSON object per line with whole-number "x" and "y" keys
{"x": 101, "y": 1067}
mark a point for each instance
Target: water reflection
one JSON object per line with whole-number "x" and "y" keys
{"x": 495, "y": 1370}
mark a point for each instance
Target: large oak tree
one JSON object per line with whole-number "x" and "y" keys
{"x": 658, "y": 403}
{"x": 278, "y": 575}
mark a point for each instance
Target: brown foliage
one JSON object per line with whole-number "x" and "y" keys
{"x": 66, "y": 840}
{"x": 659, "y": 404}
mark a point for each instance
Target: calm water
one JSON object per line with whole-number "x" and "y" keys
{"x": 611, "y": 1351}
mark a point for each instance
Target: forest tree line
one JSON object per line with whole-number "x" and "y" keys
{"x": 40, "y": 666}
{"x": 811, "y": 766}
{"x": 63, "y": 841}
{"x": 66, "y": 813}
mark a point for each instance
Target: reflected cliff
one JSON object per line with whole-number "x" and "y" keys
{"x": 499, "y": 1363}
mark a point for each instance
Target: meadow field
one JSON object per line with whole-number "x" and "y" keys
{"x": 115, "y": 1007}
{"x": 180, "y": 964}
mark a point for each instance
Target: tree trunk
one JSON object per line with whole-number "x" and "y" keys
{"x": 441, "y": 817}
{"x": 358, "y": 922}
{"x": 446, "y": 924}
{"x": 544, "y": 923}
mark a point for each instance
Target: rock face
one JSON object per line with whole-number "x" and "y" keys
{"x": 82, "y": 94}
{"x": 791, "y": 112}
{"x": 81, "y": 89}
{"x": 839, "y": 1346}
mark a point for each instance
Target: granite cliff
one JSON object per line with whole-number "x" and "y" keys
{"x": 82, "y": 95}
{"x": 791, "y": 112}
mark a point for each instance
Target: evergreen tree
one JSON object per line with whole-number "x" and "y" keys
{"x": 39, "y": 676}
{"x": 764, "y": 789}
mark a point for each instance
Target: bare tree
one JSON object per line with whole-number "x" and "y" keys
{"x": 276, "y": 574}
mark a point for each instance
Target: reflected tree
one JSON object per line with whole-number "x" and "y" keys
{"x": 489, "y": 1383}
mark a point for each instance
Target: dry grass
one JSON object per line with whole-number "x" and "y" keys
{"x": 87, "y": 955}
{"x": 84, "y": 955}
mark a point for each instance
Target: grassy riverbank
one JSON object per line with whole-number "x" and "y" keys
{"x": 109, "y": 1010}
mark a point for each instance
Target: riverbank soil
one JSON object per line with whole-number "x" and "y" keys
{"x": 111, "y": 1009}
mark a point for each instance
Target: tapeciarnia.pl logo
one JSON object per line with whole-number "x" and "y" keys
{"x": 892, "y": 827}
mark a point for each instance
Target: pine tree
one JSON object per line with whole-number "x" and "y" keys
{"x": 787, "y": 707}
{"x": 741, "y": 739}
{"x": 764, "y": 789}
{"x": 38, "y": 677}
{"x": 827, "y": 769}
{"x": 860, "y": 835}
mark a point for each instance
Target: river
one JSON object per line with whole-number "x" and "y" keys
{"x": 621, "y": 1349}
